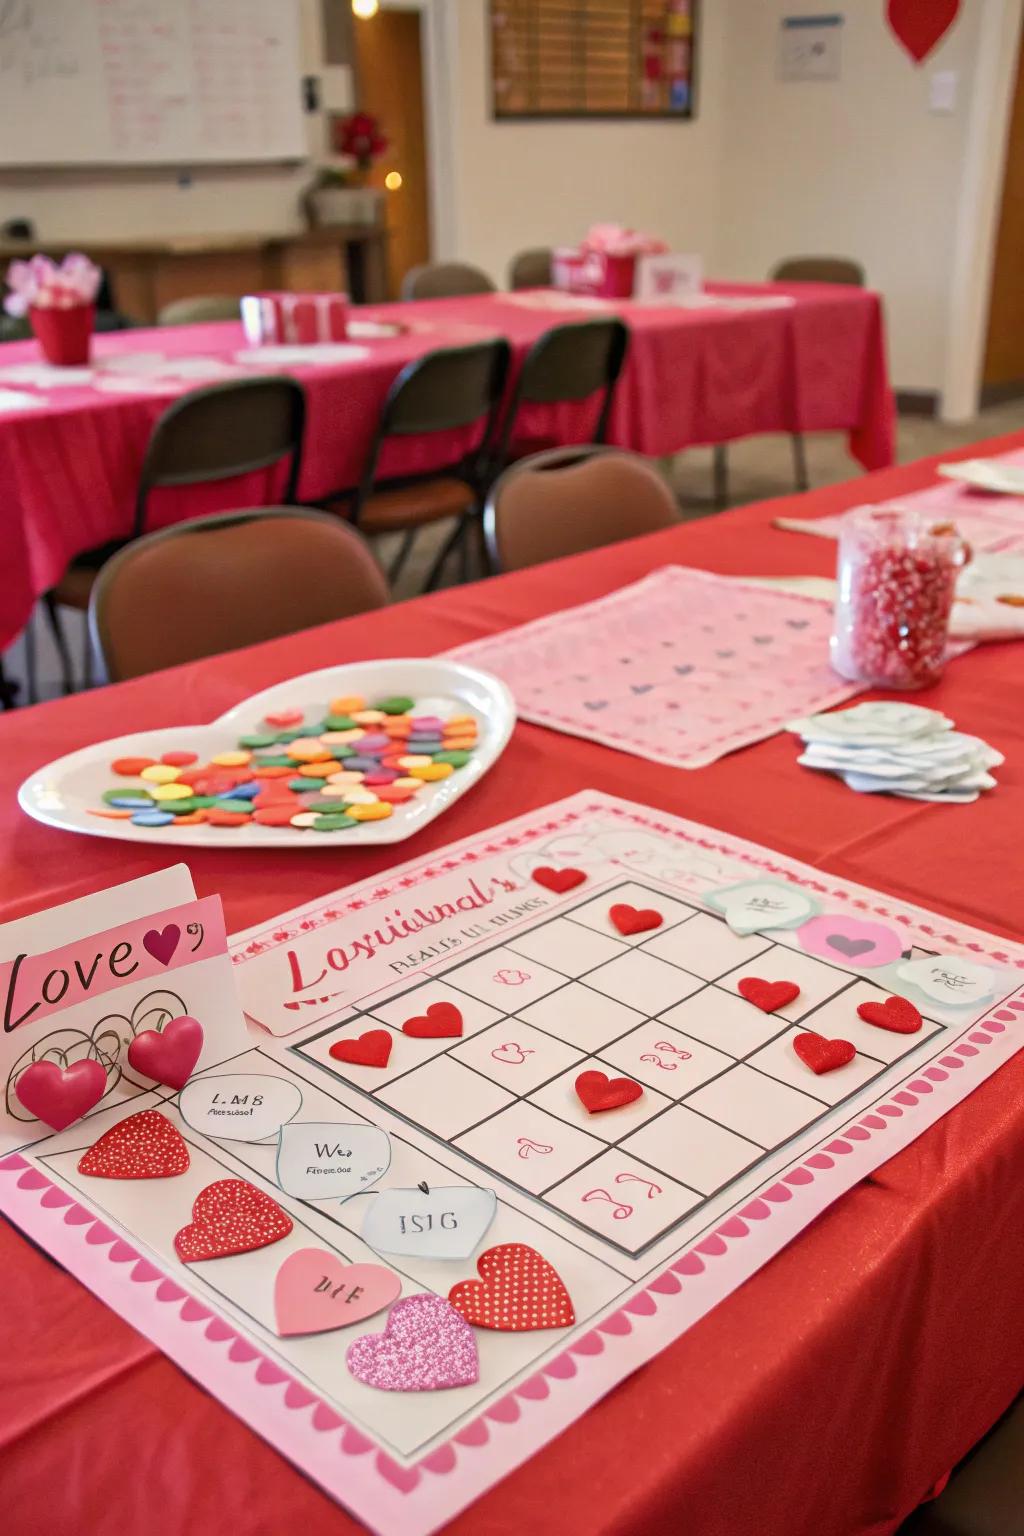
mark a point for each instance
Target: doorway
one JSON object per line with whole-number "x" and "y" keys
{"x": 1003, "y": 371}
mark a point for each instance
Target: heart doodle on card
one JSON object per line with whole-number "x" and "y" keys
{"x": 511, "y": 1053}
{"x": 595, "y": 704}
{"x": 526, "y": 1148}
{"x": 640, "y": 688}
{"x": 161, "y": 943}
{"x": 511, "y": 978}
{"x": 683, "y": 671}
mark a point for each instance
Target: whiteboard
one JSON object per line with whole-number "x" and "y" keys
{"x": 149, "y": 82}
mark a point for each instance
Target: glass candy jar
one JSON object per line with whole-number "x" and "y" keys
{"x": 897, "y": 570}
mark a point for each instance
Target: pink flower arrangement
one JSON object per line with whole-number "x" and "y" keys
{"x": 616, "y": 240}
{"x": 41, "y": 284}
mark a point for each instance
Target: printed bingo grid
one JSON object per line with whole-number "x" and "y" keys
{"x": 568, "y": 994}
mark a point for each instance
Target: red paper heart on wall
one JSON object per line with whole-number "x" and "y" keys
{"x": 921, "y": 25}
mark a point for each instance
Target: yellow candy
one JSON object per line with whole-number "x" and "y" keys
{"x": 161, "y": 773}
{"x": 341, "y": 738}
{"x": 171, "y": 792}
{"x": 304, "y": 818}
{"x": 408, "y": 783}
{"x": 415, "y": 760}
{"x": 346, "y": 776}
{"x": 337, "y": 791}
{"x": 460, "y": 721}
{"x": 347, "y": 705}
{"x": 379, "y": 811}
{"x": 431, "y": 772}
{"x": 306, "y": 750}
{"x": 359, "y": 796}
{"x": 369, "y": 716}
{"x": 231, "y": 759}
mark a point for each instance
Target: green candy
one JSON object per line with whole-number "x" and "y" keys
{"x": 340, "y": 723}
{"x": 265, "y": 739}
{"x": 293, "y": 734}
{"x": 341, "y": 752}
{"x": 231, "y": 805}
{"x": 180, "y": 807}
{"x": 202, "y": 802}
{"x": 143, "y": 796}
{"x": 302, "y": 785}
{"x": 335, "y": 821}
{"x": 396, "y": 706}
{"x": 457, "y": 759}
{"x": 273, "y": 762}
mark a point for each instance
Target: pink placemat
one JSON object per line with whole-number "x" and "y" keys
{"x": 679, "y": 668}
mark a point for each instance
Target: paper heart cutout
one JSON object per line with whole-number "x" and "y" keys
{"x": 371, "y": 1049}
{"x": 425, "y": 1347}
{"x": 629, "y": 920}
{"x": 558, "y": 880}
{"x": 823, "y": 1055}
{"x": 230, "y": 1216}
{"x": 162, "y": 942}
{"x": 315, "y": 1292}
{"x": 767, "y": 995}
{"x": 597, "y": 1091}
{"x": 169, "y": 1055}
{"x": 518, "y": 1291}
{"x": 897, "y": 1014}
{"x": 142, "y": 1146}
{"x": 439, "y": 1021}
{"x": 920, "y": 25}
{"x": 60, "y": 1096}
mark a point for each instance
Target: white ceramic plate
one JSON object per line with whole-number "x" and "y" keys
{"x": 987, "y": 475}
{"x": 291, "y": 357}
{"x": 62, "y": 793}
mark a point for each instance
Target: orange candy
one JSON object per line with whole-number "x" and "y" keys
{"x": 275, "y": 815}
{"x": 192, "y": 819}
{"x": 318, "y": 770}
{"x": 112, "y": 815}
{"x": 218, "y": 818}
{"x": 131, "y": 767}
{"x": 272, "y": 773}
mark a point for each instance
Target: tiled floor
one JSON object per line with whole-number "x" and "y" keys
{"x": 759, "y": 468}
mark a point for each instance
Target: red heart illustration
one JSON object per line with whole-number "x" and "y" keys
{"x": 921, "y": 24}
{"x": 823, "y": 1055}
{"x": 439, "y": 1021}
{"x": 162, "y": 942}
{"x": 144, "y": 1146}
{"x": 168, "y": 1055}
{"x": 896, "y": 1013}
{"x": 518, "y": 1290}
{"x": 597, "y": 1091}
{"x": 767, "y": 995}
{"x": 60, "y": 1097}
{"x": 371, "y": 1049}
{"x": 230, "y": 1216}
{"x": 629, "y": 919}
{"x": 558, "y": 880}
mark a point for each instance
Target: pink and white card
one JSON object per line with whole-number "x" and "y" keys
{"x": 430, "y": 1054}
{"x": 680, "y": 667}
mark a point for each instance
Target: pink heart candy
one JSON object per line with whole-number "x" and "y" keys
{"x": 315, "y": 1292}
{"x": 168, "y": 1055}
{"x": 425, "y": 1347}
{"x": 58, "y": 1096}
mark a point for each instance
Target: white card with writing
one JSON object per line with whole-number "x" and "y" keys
{"x": 320, "y": 1161}
{"x": 429, "y": 1223}
{"x": 239, "y": 1106}
{"x": 661, "y": 279}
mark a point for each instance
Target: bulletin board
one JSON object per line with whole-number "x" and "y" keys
{"x": 593, "y": 58}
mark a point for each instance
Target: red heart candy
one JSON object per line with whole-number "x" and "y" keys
{"x": 285, "y": 719}
{"x": 230, "y": 1216}
{"x": 558, "y": 880}
{"x": 144, "y": 1146}
{"x": 371, "y": 1049}
{"x": 597, "y": 1091}
{"x": 823, "y": 1055}
{"x": 60, "y": 1097}
{"x": 439, "y": 1021}
{"x": 767, "y": 995}
{"x": 896, "y": 1013}
{"x": 519, "y": 1290}
{"x": 168, "y": 1055}
{"x": 629, "y": 919}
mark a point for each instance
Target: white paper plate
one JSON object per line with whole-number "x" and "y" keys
{"x": 289, "y": 357}
{"x": 987, "y": 475}
{"x": 62, "y": 793}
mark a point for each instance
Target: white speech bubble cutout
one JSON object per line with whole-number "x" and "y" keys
{"x": 950, "y": 980}
{"x": 318, "y": 1160}
{"x": 239, "y": 1106}
{"x": 759, "y": 904}
{"x": 443, "y": 1223}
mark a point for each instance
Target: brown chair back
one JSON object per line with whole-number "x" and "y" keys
{"x": 531, "y": 269}
{"x": 445, "y": 280}
{"x": 201, "y": 307}
{"x": 569, "y": 362}
{"x": 225, "y": 430}
{"x": 216, "y": 583}
{"x": 819, "y": 269}
{"x": 568, "y": 500}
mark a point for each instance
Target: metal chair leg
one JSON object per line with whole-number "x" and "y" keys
{"x": 395, "y": 568}
{"x": 88, "y": 673}
{"x": 31, "y": 668}
{"x": 721, "y": 476}
{"x": 800, "y": 474}
{"x": 451, "y": 543}
{"x": 60, "y": 640}
{"x": 8, "y": 689}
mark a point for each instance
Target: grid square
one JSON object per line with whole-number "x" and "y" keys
{"x": 559, "y": 1098}
{"x": 755, "y": 1106}
{"x": 838, "y": 1017}
{"x": 530, "y": 1148}
{"x": 706, "y": 947}
{"x": 704, "y": 1154}
{"x": 504, "y": 980}
{"x": 594, "y": 914}
{"x": 516, "y": 1055}
{"x": 816, "y": 979}
{"x": 651, "y": 985}
{"x": 445, "y": 1097}
{"x": 664, "y": 1059}
{"x": 780, "y": 1061}
{"x": 475, "y": 1014}
{"x": 623, "y": 1200}
{"x": 568, "y": 947}
{"x": 581, "y": 1016}
{"x": 724, "y": 1020}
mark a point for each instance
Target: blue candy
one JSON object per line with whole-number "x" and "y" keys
{"x": 360, "y": 764}
{"x": 131, "y": 802}
{"x": 152, "y": 819}
{"x": 241, "y": 792}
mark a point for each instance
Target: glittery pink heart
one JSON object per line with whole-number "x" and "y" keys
{"x": 426, "y": 1346}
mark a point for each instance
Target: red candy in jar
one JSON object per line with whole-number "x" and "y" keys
{"x": 897, "y": 571}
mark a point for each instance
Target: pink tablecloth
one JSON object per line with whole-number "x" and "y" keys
{"x": 68, "y": 470}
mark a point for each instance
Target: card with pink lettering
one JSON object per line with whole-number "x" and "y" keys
{"x": 509, "y": 1118}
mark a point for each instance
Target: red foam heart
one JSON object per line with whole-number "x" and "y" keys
{"x": 518, "y": 1291}
{"x": 230, "y": 1216}
{"x": 144, "y": 1146}
{"x": 371, "y": 1049}
{"x": 921, "y": 25}
{"x": 168, "y": 1055}
{"x": 823, "y": 1055}
{"x": 767, "y": 995}
{"x": 630, "y": 920}
{"x": 896, "y": 1013}
{"x": 597, "y": 1091}
{"x": 59, "y": 1096}
{"x": 558, "y": 880}
{"x": 439, "y": 1021}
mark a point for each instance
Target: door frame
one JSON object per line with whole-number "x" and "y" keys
{"x": 438, "y": 38}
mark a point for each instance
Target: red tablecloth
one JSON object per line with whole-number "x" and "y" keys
{"x": 68, "y": 473}
{"x": 827, "y": 1395}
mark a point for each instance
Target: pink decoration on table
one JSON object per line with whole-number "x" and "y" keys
{"x": 169, "y": 1055}
{"x": 604, "y": 264}
{"x": 60, "y": 1096}
{"x": 315, "y": 1292}
{"x": 426, "y": 1347}
{"x": 848, "y": 938}
{"x": 298, "y": 319}
{"x": 59, "y": 303}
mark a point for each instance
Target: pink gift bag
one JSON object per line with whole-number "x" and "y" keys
{"x": 296, "y": 319}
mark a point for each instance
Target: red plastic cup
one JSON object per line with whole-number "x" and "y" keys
{"x": 64, "y": 335}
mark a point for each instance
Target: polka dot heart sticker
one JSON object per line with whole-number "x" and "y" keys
{"x": 518, "y": 1291}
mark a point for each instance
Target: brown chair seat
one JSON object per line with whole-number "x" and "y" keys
{"x": 394, "y": 508}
